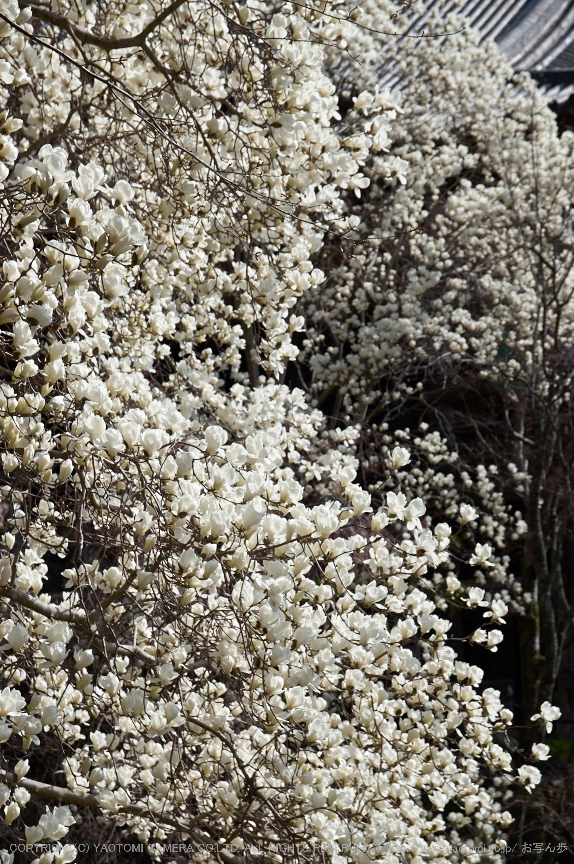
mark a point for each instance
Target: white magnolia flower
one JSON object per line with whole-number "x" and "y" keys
{"x": 467, "y": 514}
{"x": 482, "y": 553}
{"x": 475, "y": 597}
{"x": 11, "y": 702}
{"x": 12, "y": 811}
{"x": 540, "y": 752}
{"x": 529, "y": 776}
{"x": 497, "y": 611}
{"x": 400, "y": 457}
{"x": 17, "y": 637}
{"x": 548, "y": 713}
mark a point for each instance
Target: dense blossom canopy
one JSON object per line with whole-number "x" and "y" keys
{"x": 241, "y": 649}
{"x": 456, "y": 308}
{"x": 468, "y": 239}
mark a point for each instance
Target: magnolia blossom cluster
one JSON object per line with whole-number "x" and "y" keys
{"x": 457, "y": 260}
{"x": 266, "y": 667}
{"x": 460, "y": 278}
{"x": 422, "y": 465}
{"x": 238, "y": 152}
{"x": 231, "y": 656}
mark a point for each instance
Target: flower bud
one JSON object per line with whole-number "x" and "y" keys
{"x": 12, "y": 813}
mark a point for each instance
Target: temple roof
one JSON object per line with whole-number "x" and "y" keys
{"x": 535, "y": 35}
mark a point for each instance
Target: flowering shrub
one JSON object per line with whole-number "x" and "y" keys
{"x": 223, "y": 656}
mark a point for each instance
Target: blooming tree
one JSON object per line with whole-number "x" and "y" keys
{"x": 456, "y": 310}
{"x": 229, "y": 655}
